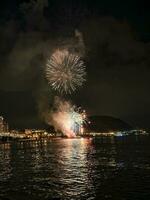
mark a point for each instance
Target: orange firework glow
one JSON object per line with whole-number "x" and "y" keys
{"x": 68, "y": 119}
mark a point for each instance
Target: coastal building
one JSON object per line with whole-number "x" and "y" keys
{"x": 35, "y": 133}
{"x": 3, "y": 125}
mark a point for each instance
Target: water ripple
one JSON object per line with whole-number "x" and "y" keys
{"x": 75, "y": 169}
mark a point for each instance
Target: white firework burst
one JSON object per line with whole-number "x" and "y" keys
{"x": 65, "y": 71}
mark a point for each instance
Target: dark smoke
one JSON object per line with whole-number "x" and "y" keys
{"x": 26, "y": 50}
{"x": 117, "y": 61}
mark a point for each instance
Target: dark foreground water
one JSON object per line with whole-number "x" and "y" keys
{"x": 104, "y": 168}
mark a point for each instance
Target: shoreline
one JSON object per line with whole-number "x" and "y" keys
{"x": 8, "y": 139}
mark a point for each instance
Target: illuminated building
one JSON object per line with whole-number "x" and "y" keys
{"x": 3, "y": 125}
{"x": 35, "y": 133}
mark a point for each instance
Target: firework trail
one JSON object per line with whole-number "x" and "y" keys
{"x": 65, "y": 71}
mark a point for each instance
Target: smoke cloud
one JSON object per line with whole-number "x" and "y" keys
{"x": 117, "y": 61}
{"x": 25, "y": 53}
{"x": 60, "y": 117}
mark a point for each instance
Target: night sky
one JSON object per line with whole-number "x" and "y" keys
{"x": 116, "y": 36}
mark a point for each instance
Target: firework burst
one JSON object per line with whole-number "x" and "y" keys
{"x": 68, "y": 119}
{"x": 65, "y": 71}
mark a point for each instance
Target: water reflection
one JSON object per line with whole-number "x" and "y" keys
{"x": 105, "y": 168}
{"x": 5, "y": 165}
{"x": 74, "y": 167}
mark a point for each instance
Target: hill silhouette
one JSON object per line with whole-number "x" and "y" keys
{"x": 106, "y": 124}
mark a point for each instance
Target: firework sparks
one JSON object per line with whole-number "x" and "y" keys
{"x": 65, "y": 71}
{"x": 68, "y": 119}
